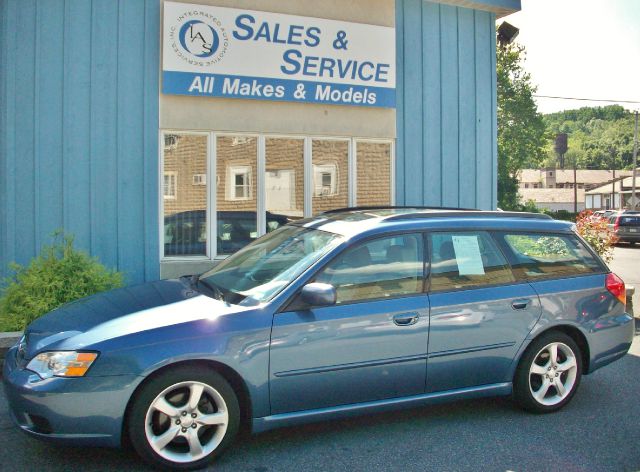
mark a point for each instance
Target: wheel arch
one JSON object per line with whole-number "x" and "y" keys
{"x": 574, "y": 333}
{"x": 229, "y": 374}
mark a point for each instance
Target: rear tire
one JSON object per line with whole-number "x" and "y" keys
{"x": 184, "y": 418}
{"x": 548, "y": 374}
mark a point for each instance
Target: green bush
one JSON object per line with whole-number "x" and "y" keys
{"x": 60, "y": 274}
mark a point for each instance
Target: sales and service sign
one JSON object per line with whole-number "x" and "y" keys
{"x": 226, "y": 52}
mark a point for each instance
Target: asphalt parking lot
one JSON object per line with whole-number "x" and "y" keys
{"x": 626, "y": 263}
{"x": 598, "y": 431}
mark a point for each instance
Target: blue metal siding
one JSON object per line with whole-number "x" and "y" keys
{"x": 79, "y": 151}
{"x": 446, "y": 152}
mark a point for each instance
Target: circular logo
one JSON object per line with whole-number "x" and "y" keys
{"x": 199, "y": 38}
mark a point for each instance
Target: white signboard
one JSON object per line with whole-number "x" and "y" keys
{"x": 227, "y": 52}
{"x": 468, "y": 255}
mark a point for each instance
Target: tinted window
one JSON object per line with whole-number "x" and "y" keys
{"x": 547, "y": 255}
{"x": 385, "y": 267}
{"x": 629, "y": 221}
{"x": 466, "y": 259}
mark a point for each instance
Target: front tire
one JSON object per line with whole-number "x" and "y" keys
{"x": 548, "y": 374}
{"x": 184, "y": 418}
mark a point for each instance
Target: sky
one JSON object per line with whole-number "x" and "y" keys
{"x": 581, "y": 48}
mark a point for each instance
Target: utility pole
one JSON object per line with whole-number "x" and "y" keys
{"x": 635, "y": 164}
{"x": 575, "y": 189}
{"x": 613, "y": 188}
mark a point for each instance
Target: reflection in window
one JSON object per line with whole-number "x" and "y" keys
{"x": 374, "y": 173}
{"x": 240, "y": 183}
{"x": 199, "y": 179}
{"x": 466, "y": 259}
{"x": 330, "y": 170}
{"x": 236, "y": 160}
{"x": 547, "y": 255}
{"x": 386, "y": 267}
{"x": 185, "y": 204}
{"x": 284, "y": 180}
{"x": 170, "y": 184}
{"x": 325, "y": 179}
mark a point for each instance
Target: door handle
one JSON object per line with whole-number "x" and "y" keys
{"x": 520, "y": 304}
{"x": 406, "y": 319}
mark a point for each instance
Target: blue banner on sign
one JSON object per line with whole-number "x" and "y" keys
{"x": 231, "y": 86}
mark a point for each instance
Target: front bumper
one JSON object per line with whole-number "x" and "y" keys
{"x": 75, "y": 411}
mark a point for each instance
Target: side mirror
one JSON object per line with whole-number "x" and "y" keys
{"x": 317, "y": 294}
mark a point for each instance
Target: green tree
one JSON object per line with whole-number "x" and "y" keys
{"x": 521, "y": 129}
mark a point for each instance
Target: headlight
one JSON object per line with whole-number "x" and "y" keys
{"x": 62, "y": 363}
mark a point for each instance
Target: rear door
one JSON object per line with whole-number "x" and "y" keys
{"x": 569, "y": 280}
{"x": 370, "y": 345}
{"x": 480, "y": 313}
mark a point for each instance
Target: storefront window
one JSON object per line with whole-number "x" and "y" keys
{"x": 284, "y": 181}
{"x": 185, "y": 201}
{"x": 373, "y": 171}
{"x": 330, "y": 159}
{"x": 236, "y": 161}
{"x": 299, "y": 177}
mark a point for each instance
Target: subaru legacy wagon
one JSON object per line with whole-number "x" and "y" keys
{"x": 351, "y": 312}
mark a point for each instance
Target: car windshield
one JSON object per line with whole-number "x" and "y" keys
{"x": 258, "y": 272}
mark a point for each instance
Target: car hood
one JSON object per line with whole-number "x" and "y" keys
{"x": 120, "y": 312}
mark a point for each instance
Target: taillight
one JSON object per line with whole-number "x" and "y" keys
{"x": 616, "y": 225}
{"x": 615, "y": 285}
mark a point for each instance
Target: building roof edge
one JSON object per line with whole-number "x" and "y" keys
{"x": 499, "y": 7}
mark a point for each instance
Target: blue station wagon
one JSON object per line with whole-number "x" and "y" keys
{"x": 350, "y": 312}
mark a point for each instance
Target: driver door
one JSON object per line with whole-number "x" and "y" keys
{"x": 371, "y": 345}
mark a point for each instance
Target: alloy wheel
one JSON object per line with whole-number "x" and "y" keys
{"x": 552, "y": 375}
{"x": 186, "y": 422}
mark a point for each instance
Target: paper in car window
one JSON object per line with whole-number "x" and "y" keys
{"x": 468, "y": 255}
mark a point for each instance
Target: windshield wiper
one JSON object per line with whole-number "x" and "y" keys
{"x": 217, "y": 293}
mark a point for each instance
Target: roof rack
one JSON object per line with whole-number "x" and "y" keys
{"x": 470, "y": 214}
{"x": 407, "y": 207}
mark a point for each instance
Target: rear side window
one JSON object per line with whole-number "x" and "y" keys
{"x": 462, "y": 260}
{"x": 540, "y": 256}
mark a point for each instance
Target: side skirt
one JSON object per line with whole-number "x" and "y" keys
{"x": 267, "y": 423}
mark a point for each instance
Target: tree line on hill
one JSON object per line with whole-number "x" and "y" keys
{"x": 598, "y": 137}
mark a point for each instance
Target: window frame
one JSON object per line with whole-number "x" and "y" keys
{"x": 260, "y": 177}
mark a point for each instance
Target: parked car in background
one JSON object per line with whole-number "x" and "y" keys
{"x": 352, "y": 311}
{"x": 185, "y": 233}
{"x": 604, "y": 213}
{"x": 626, "y": 226}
